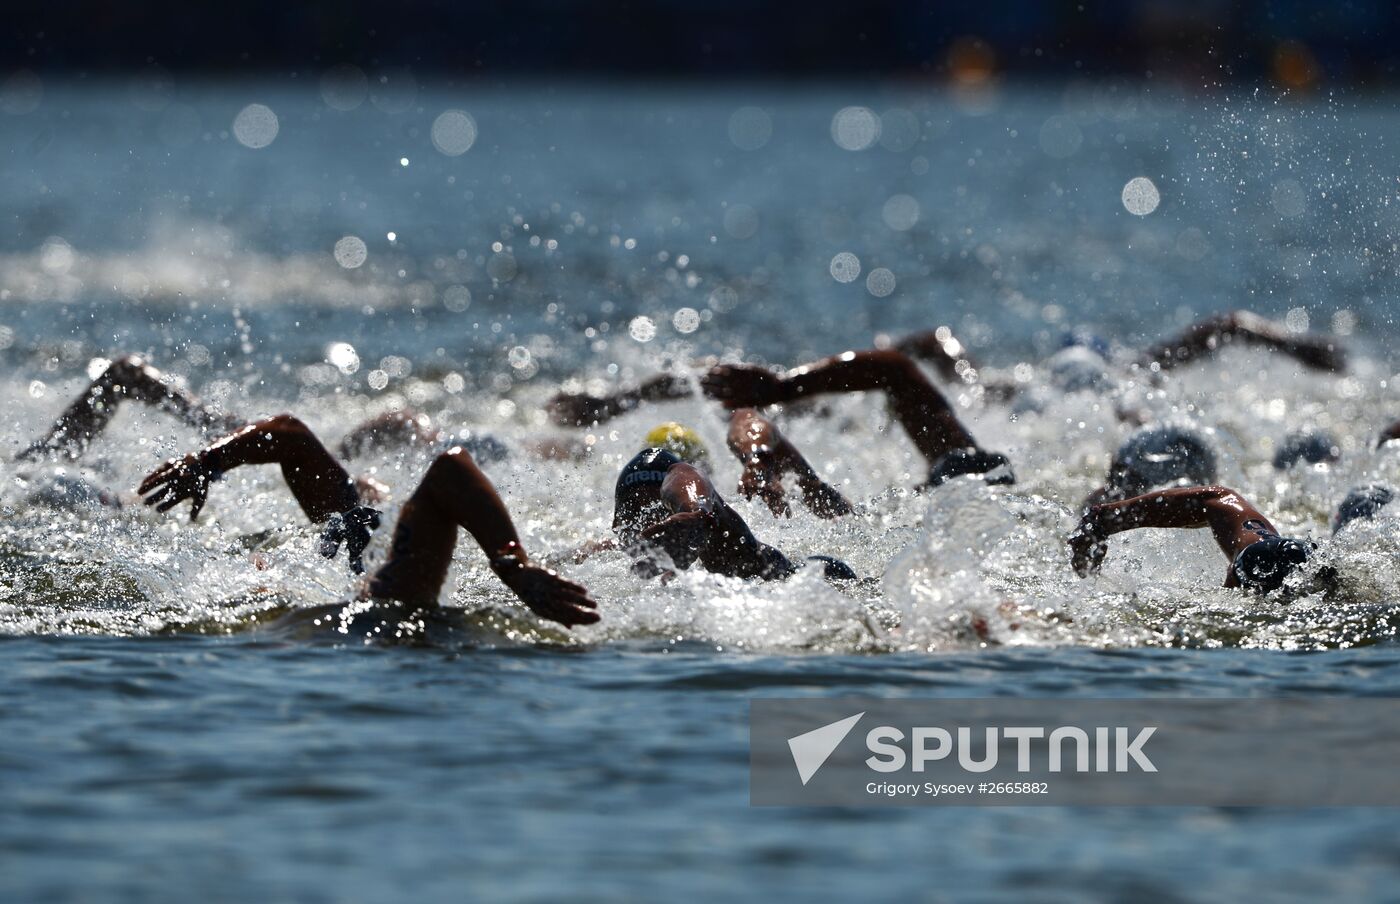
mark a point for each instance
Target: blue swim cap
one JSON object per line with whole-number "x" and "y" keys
{"x": 1310, "y": 445}
{"x": 1155, "y": 457}
{"x": 1362, "y": 502}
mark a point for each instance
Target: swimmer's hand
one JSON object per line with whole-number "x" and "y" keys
{"x": 1319, "y": 353}
{"x": 581, "y": 410}
{"x": 742, "y": 385}
{"x": 550, "y": 595}
{"x": 682, "y": 535}
{"x": 766, "y": 484}
{"x": 177, "y": 480}
{"x": 1087, "y": 548}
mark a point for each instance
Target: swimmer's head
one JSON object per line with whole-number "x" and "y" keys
{"x": 1083, "y": 338}
{"x": 833, "y": 569}
{"x": 637, "y": 498}
{"x": 1362, "y": 503}
{"x": 1264, "y": 565}
{"x": 1311, "y": 445}
{"x": 1078, "y": 368}
{"x": 992, "y": 467}
{"x": 680, "y": 440}
{"x": 1157, "y": 457}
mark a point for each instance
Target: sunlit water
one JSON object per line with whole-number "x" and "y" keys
{"x": 347, "y": 264}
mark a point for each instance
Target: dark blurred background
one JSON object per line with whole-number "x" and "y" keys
{"x": 1299, "y": 44}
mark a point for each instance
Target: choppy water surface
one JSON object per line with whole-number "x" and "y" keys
{"x": 160, "y": 732}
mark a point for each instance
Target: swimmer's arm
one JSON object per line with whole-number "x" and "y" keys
{"x": 126, "y": 378}
{"x": 455, "y": 493}
{"x": 582, "y": 410}
{"x": 694, "y": 503}
{"x": 1203, "y": 338}
{"x": 919, "y": 407}
{"x": 321, "y": 486}
{"x": 766, "y": 455}
{"x": 1221, "y": 509}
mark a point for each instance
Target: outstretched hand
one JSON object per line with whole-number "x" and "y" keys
{"x": 743, "y": 385}
{"x": 551, "y": 596}
{"x": 177, "y": 480}
{"x": 1087, "y": 549}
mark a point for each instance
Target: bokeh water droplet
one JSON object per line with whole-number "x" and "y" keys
{"x": 255, "y": 126}
{"x": 1140, "y": 196}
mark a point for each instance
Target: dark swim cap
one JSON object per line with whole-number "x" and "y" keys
{"x": 639, "y": 484}
{"x": 1362, "y": 502}
{"x": 993, "y": 467}
{"x": 1159, "y": 456}
{"x": 1263, "y": 565}
{"x": 1312, "y": 446}
{"x": 834, "y": 569}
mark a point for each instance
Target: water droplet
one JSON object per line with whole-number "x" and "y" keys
{"x": 845, "y": 267}
{"x": 750, "y": 128}
{"x": 344, "y": 87}
{"x": 456, "y": 298}
{"x": 343, "y": 357}
{"x": 255, "y": 126}
{"x": 855, "y": 128}
{"x": 643, "y": 329}
{"x": 880, "y": 282}
{"x": 454, "y": 132}
{"x": 350, "y": 252}
{"x": 901, "y": 212}
{"x": 686, "y": 320}
{"x": 1140, "y": 196}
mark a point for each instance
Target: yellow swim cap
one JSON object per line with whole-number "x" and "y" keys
{"x": 681, "y": 440}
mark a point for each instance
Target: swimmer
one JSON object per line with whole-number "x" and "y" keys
{"x": 1082, "y": 365}
{"x": 1154, "y": 458}
{"x": 1260, "y": 559}
{"x": 455, "y": 493}
{"x": 126, "y": 378}
{"x": 324, "y": 490}
{"x": 938, "y": 348}
{"x": 132, "y": 378}
{"x": 663, "y": 502}
{"x": 920, "y": 408}
{"x": 1210, "y": 334}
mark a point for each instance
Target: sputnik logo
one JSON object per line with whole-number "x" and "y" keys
{"x": 811, "y": 750}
